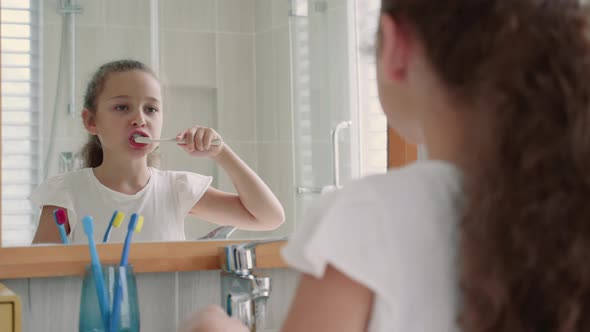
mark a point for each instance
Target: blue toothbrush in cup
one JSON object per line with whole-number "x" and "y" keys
{"x": 101, "y": 292}
{"x": 135, "y": 225}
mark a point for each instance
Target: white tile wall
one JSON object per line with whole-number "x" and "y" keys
{"x": 199, "y": 289}
{"x": 235, "y": 16}
{"x": 52, "y": 304}
{"x": 52, "y": 290}
{"x": 273, "y": 85}
{"x": 91, "y": 42}
{"x": 129, "y": 13}
{"x": 236, "y": 90}
{"x": 188, "y": 58}
{"x": 266, "y": 94}
{"x": 336, "y": 3}
{"x": 193, "y": 15}
{"x": 158, "y": 301}
{"x": 263, "y": 16}
{"x": 280, "y": 13}
{"x": 126, "y": 43}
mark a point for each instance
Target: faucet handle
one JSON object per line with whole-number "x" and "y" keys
{"x": 241, "y": 258}
{"x": 222, "y": 232}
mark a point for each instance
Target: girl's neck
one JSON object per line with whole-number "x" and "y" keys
{"x": 444, "y": 129}
{"x": 125, "y": 176}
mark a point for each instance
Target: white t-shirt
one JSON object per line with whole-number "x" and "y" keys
{"x": 397, "y": 234}
{"x": 164, "y": 203}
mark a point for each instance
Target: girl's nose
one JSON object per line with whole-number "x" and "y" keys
{"x": 138, "y": 120}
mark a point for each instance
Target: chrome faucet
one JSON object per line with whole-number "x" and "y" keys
{"x": 244, "y": 295}
{"x": 222, "y": 232}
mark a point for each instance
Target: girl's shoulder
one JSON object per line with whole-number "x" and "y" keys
{"x": 69, "y": 178}
{"x": 417, "y": 183}
{"x": 61, "y": 189}
{"x": 361, "y": 228}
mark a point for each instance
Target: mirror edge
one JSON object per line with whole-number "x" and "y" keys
{"x": 60, "y": 260}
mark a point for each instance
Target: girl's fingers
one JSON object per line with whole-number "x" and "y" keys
{"x": 180, "y": 136}
{"x": 199, "y": 139}
{"x": 209, "y": 136}
{"x": 189, "y": 138}
{"x": 199, "y": 135}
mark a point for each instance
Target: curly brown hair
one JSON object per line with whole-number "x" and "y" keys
{"x": 525, "y": 231}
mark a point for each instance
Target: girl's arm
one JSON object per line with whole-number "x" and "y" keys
{"x": 47, "y": 231}
{"x": 334, "y": 303}
{"x": 255, "y": 207}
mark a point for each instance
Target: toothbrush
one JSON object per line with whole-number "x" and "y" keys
{"x": 101, "y": 291}
{"x": 147, "y": 140}
{"x": 59, "y": 215}
{"x": 135, "y": 225}
{"x": 116, "y": 221}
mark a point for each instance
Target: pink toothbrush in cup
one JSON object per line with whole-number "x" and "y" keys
{"x": 59, "y": 215}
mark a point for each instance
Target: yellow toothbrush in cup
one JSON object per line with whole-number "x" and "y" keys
{"x": 116, "y": 221}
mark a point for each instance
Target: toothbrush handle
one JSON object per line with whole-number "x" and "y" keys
{"x": 117, "y": 298}
{"x": 173, "y": 139}
{"x": 107, "y": 233}
{"x": 125, "y": 253}
{"x": 118, "y": 289}
{"x": 101, "y": 293}
{"x": 62, "y": 233}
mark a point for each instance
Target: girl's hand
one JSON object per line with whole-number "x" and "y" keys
{"x": 198, "y": 141}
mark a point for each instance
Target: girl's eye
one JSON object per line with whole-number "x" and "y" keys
{"x": 121, "y": 107}
{"x": 152, "y": 109}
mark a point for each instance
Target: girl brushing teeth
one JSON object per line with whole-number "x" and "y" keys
{"x": 123, "y": 113}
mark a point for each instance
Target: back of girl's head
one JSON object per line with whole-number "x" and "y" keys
{"x": 524, "y": 66}
{"x": 92, "y": 150}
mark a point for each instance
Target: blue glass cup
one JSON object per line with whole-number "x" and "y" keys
{"x": 90, "y": 317}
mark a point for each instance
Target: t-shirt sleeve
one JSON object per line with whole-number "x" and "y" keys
{"x": 347, "y": 230}
{"x": 189, "y": 188}
{"x": 54, "y": 191}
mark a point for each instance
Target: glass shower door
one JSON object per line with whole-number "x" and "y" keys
{"x": 326, "y": 122}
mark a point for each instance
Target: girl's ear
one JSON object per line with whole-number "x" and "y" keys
{"x": 89, "y": 121}
{"x": 395, "y": 48}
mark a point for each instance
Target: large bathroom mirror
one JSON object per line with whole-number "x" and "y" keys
{"x": 286, "y": 83}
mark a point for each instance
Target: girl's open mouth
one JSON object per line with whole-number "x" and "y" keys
{"x": 132, "y": 141}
